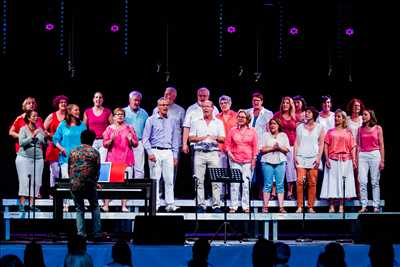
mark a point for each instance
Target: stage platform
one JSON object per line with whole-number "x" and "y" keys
{"x": 263, "y": 221}
{"x": 230, "y": 254}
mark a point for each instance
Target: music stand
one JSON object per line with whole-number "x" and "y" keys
{"x": 226, "y": 176}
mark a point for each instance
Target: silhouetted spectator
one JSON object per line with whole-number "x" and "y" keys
{"x": 381, "y": 253}
{"x": 282, "y": 254}
{"x": 333, "y": 256}
{"x": 121, "y": 254}
{"x": 76, "y": 244}
{"x": 33, "y": 255}
{"x": 264, "y": 253}
{"x": 323, "y": 260}
{"x": 10, "y": 261}
{"x": 201, "y": 250}
{"x": 78, "y": 260}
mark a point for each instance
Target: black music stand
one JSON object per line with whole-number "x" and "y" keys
{"x": 226, "y": 176}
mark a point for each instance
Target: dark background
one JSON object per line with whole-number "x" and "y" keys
{"x": 185, "y": 44}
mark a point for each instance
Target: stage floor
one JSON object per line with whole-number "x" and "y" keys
{"x": 231, "y": 254}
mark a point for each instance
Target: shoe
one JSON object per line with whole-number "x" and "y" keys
{"x": 21, "y": 208}
{"x": 341, "y": 209}
{"x": 331, "y": 210}
{"x": 65, "y": 208}
{"x": 362, "y": 210}
{"x": 35, "y": 209}
{"x": 125, "y": 209}
{"x": 311, "y": 210}
{"x": 200, "y": 210}
{"x": 377, "y": 209}
{"x": 171, "y": 208}
{"x": 265, "y": 210}
{"x": 282, "y": 210}
{"x": 290, "y": 197}
{"x": 105, "y": 209}
{"x": 299, "y": 210}
{"x": 217, "y": 210}
{"x": 246, "y": 210}
{"x": 232, "y": 210}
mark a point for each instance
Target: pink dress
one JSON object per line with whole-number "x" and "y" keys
{"x": 120, "y": 150}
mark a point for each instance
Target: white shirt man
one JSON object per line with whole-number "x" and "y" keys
{"x": 205, "y": 134}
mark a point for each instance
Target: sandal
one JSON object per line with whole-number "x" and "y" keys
{"x": 299, "y": 210}
{"x": 311, "y": 210}
{"x": 232, "y": 210}
{"x": 246, "y": 210}
{"x": 282, "y": 210}
{"x": 265, "y": 209}
{"x": 377, "y": 209}
{"x": 331, "y": 210}
{"x": 362, "y": 210}
{"x": 341, "y": 209}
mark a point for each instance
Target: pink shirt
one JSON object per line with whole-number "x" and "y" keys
{"x": 229, "y": 123}
{"x": 340, "y": 143}
{"x": 242, "y": 143}
{"x": 288, "y": 127}
{"x": 97, "y": 123}
{"x": 368, "y": 139}
{"x": 120, "y": 150}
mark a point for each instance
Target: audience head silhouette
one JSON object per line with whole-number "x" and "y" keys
{"x": 264, "y": 253}
{"x": 201, "y": 250}
{"x": 76, "y": 244}
{"x": 33, "y": 255}
{"x": 381, "y": 253}
{"x": 282, "y": 254}
{"x": 121, "y": 254}
{"x": 333, "y": 256}
{"x": 10, "y": 261}
{"x": 78, "y": 260}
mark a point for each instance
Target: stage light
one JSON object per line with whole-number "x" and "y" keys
{"x": 114, "y": 28}
{"x": 49, "y": 27}
{"x": 349, "y": 31}
{"x": 231, "y": 29}
{"x": 294, "y": 31}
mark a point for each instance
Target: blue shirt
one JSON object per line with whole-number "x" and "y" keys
{"x": 161, "y": 132}
{"x": 136, "y": 120}
{"x": 69, "y": 137}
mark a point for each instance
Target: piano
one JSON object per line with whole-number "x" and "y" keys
{"x": 130, "y": 189}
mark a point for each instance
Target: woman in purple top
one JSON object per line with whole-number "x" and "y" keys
{"x": 97, "y": 118}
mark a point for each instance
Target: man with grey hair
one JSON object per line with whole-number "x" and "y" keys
{"x": 206, "y": 133}
{"x": 193, "y": 113}
{"x": 136, "y": 117}
{"x": 161, "y": 141}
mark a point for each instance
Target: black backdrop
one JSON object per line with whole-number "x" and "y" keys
{"x": 185, "y": 44}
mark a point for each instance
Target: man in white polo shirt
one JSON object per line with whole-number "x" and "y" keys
{"x": 205, "y": 134}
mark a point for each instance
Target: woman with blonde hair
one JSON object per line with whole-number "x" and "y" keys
{"x": 340, "y": 154}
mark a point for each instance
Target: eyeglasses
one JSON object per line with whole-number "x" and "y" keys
{"x": 242, "y": 117}
{"x": 119, "y": 114}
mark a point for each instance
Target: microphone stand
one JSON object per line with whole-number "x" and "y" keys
{"x": 344, "y": 240}
{"x": 302, "y": 238}
{"x": 196, "y": 182}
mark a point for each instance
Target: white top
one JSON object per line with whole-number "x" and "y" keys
{"x": 195, "y": 112}
{"x": 269, "y": 140}
{"x": 307, "y": 149}
{"x": 200, "y": 128}
{"x": 328, "y": 122}
{"x": 262, "y": 120}
{"x": 354, "y": 125}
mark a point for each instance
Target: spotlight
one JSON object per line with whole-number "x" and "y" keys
{"x": 349, "y": 31}
{"x": 294, "y": 31}
{"x": 231, "y": 29}
{"x": 49, "y": 27}
{"x": 114, "y": 28}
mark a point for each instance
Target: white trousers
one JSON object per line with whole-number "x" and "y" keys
{"x": 139, "y": 160}
{"x": 164, "y": 165}
{"x": 25, "y": 168}
{"x": 201, "y": 161}
{"x": 54, "y": 172}
{"x": 246, "y": 171}
{"x": 369, "y": 161}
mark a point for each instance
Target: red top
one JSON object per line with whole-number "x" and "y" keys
{"x": 52, "y": 151}
{"x": 368, "y": 139}
{"x": 228, "y": 125}
{"x": 288, "y": 127}
{"x": 340, "y": 143}
{"x": 19, "y": 123}
{"x": 242, "y": 143}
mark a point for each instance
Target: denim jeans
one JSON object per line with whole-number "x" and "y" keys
{"x": 270, "y": 171}
{"x": 79, "y": 197}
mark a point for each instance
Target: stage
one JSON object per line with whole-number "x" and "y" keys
{"x": 230, "y": 254}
